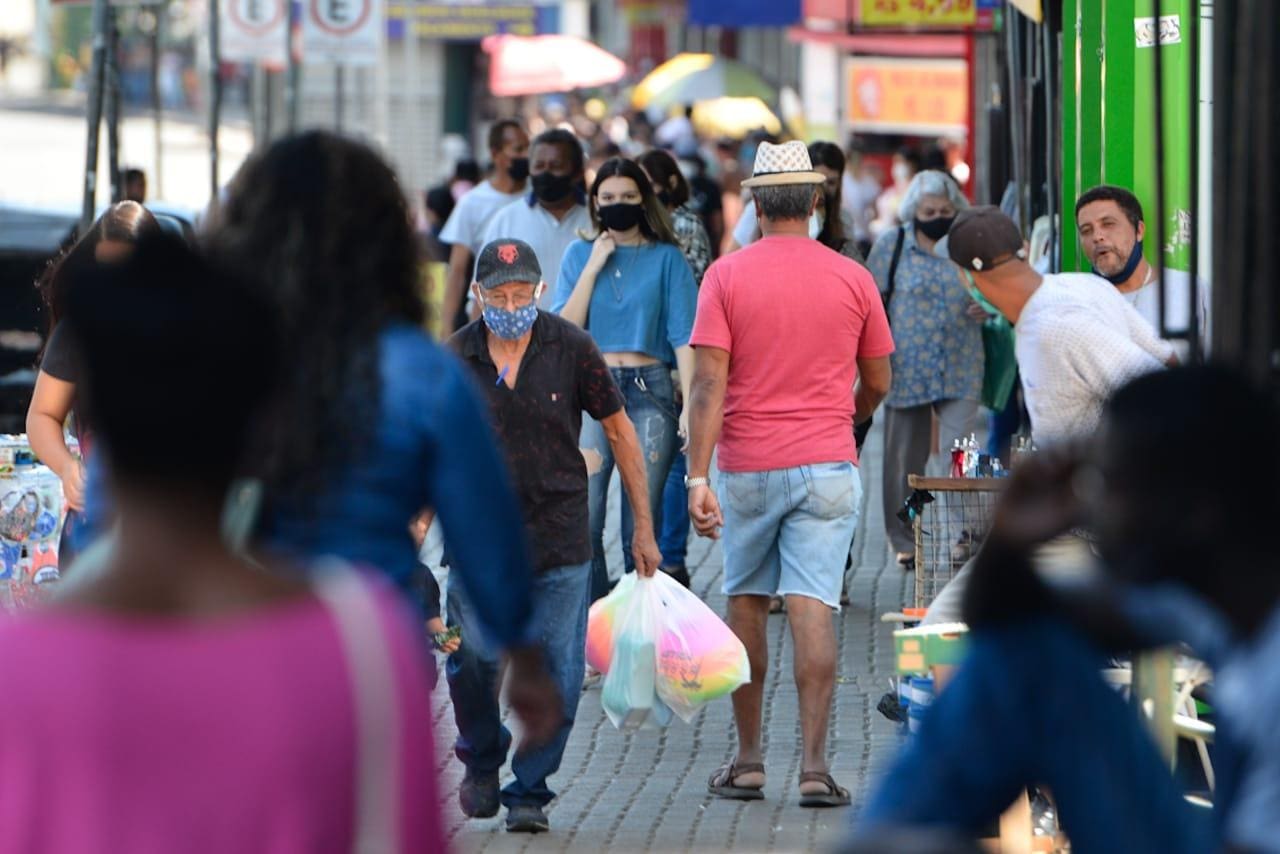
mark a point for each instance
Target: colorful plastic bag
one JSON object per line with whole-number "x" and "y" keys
{"x": 663, "y": 651}
{"x": 699, "y": 657}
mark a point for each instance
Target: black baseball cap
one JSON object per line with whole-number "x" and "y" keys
{"x": 984, "y": 237}
{"x": 507, "y": 260}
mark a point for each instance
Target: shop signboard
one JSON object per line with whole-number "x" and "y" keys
{"x": 922, "y": 13}
{"x": 472, "y": 21}
{"x": 346, "y": 31}
{"x": 923, "y": 97}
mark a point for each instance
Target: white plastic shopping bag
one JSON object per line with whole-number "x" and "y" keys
{"x": 663, "y": 650}
{"x": 629, "y": 694}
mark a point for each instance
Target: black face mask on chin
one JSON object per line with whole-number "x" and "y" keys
{"x": 551, "y": 188}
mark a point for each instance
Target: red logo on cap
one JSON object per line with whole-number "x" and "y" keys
{"x": 509, "y": 253}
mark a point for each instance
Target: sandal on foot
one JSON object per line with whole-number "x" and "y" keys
{"x": 722, "y": 785}
{"x": 834, "y": 796}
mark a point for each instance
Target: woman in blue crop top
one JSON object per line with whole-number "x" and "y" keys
{"x": 631, "y": 288}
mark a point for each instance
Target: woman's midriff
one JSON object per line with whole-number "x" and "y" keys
{"x": 629, "y": 360}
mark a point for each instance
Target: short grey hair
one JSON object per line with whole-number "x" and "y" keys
{"x": 786, "y": 201}
{"x": 930, "y": 182}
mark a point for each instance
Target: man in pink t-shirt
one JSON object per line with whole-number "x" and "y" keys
{"x": 792, "y": 347}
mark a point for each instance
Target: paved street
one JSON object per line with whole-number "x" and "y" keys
{"x": 647, "y": 791}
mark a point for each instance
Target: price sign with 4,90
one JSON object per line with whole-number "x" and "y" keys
{"x": 927, "y": 13}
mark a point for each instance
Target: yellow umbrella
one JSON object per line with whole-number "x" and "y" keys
{"x": 734, "y": 117}
{"x": 666, "y": 74}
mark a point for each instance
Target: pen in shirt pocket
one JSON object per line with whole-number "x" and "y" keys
{"x": 502, "y": 375}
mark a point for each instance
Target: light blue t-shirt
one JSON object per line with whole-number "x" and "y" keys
{"x": 644, "y": 300}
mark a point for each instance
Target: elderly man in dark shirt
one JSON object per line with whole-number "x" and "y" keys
{"x": 539, "y": 373}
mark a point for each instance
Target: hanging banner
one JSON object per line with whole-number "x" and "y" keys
{"x": 346, "y": 31}
{"x": 472, "y": 21}
{"x": 253, "y": 30}
{"x": 913, "y": 96}
{"x": 918, "y": 13}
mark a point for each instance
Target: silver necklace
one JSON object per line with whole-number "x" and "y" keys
{"x": 617, "y": 273}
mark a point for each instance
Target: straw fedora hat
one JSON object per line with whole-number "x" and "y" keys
{"x": 778, "y": 165}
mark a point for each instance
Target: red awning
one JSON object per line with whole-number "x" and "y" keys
{"x": 536, "y": 65}
{"x": 885, "y": 44}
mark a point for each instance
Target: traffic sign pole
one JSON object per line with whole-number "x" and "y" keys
{"x": 215, "y": 98}
{"x": 100, "y": 13}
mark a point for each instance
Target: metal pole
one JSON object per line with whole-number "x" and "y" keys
{"x": 1160, "y": 210}
{"x": 113, "y": 107}
{"x": 100, "y": 16}
{"x": 293, "y": 74}
{"x": 339, "y": 94}
{"x": 412, "y": 97}
{"x": 1193, "y": 291}
{"x": 215, "y": 97}
{"x": 157, "y": 106}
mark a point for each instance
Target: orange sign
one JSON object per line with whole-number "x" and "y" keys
{"x": 912, "y": 96}
{"x": 926, "y": 13}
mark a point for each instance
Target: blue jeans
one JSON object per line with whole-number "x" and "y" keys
{"x": 674, "y": 541}
{"x": 560, "y": 624}
{"x": 1003, "y": 426}
{"x": 650, "y": 404}
{"x": 788, "y": 531}
{"x": 1027, "y": 706}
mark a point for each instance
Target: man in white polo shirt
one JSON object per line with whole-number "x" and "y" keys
{"x": 552, "y": 216}
{"x": 466, "y": 228}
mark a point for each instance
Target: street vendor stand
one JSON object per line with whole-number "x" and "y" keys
{"x": 32, "y": 513}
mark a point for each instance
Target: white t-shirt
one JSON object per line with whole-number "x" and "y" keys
{"x": 1177, "y": 310}
{"x": 548, "y": 236}
{"x": 466, "y": 225}
{"x": 1078, "y": 340}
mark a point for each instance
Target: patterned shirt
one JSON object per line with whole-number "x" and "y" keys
{"x": 692, "y": 237}
{"x": 538, "y": 423}
{"x": 939, "y": 352}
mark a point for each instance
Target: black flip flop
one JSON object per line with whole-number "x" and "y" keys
{"x": 835, "y": 796}
{"x": 721, "y": 782}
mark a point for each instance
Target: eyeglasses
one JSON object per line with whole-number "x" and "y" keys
{"x": 519, "y": 300}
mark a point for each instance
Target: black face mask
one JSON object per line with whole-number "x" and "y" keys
{"x": 1130, "y": 266}
{"x": 621, "y": 217}
{"x": 552, "y": 188}
{"x": 935, "y": 229}
{"x": 519, "y": 169}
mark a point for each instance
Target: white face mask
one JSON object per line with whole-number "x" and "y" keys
{"x": 817, "y": 220}
{"x": 901, "y": 173}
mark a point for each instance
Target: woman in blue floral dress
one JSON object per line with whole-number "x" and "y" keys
{"x": 937, "y": 329}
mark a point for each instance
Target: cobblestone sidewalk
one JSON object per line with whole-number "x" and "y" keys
{"x": 647, "y": 791}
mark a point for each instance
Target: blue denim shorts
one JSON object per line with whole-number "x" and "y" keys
{"x": 788, "y": 531}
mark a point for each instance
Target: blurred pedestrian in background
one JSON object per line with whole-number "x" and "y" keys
{"x": 179, "y": 675}
{"x": 672, "y": 190}
{"x": 828, "y": 159}
{"x": 906, "y": 163}
{"x": 372, "y": 422}
{"x": 631, "y": 288}
{"x": 937, "y": 327}
{"x": 466, "y": 224}
{"x": 555, "y": 212}
{"x": 860, "y": 187}
{"x": 134, "y": 185}
{"x": 55, "y": 400}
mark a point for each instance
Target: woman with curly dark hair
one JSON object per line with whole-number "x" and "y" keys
{"x": 53, "y": 401}
{"x": 373, "y": 423}
{"x": 631, "y": 288}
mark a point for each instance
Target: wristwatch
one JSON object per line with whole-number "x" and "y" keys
{"x": 691, "y": 482}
